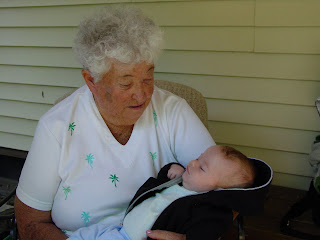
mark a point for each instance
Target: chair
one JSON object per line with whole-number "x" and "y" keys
{"x": 9, "y": 217}
{"x": 192, "y": 96}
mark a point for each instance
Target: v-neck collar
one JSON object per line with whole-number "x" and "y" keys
{"x": 105, "y": 131}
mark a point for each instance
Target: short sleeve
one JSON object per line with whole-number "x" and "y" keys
{"x": 39, "y": 179}
{"x": 189, "y": 138}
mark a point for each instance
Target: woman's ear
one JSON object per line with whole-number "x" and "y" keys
{"x": 88, "y": 78}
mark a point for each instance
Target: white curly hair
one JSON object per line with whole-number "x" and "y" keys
{"x": 122, "y": 33}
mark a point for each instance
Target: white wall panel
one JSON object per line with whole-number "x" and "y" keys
{"x": 303, "y": 40}
{"x": 289, "y": 140}
{"x": 255, "y": 61}
{"x": 285, "y": 66}
{"x": 188, "y": 13}
{"x": 32, "y": 111}
{"x": 287, "y": 13}
{"x": 176, "y": 38}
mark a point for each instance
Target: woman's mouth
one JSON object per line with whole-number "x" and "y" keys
{"x": 137, "y": 107}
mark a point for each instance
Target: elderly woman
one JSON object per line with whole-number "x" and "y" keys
{"x": 93, "y": 150}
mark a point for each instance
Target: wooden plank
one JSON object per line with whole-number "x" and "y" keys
{"x": 291, "y": 181}
{"x": 287, "y": 40}
{"x": 209, "y": 38}
{"x": 200, "y": 13}
{"x": 285, "y": 162}
{"x": 23, "y": 142}
{"x": 249, "y": 89}
{"x": 32, "y": 111}
{"x": 49, "y": 76}
{"x": 287, "y": 13}
{"x": 15, "y": 141}
{"x": 283, "y": 66}
{"x": 265, "y": 114}
{"x": 37, "y": 37}
{"x": 179, "y": 38}
{"x": 218, "y": 87}
{"x": 38, "y": 3}
{"x": 273, "y": 115}
{"x": 266, "y": 226}
{"x": 32, "y": 93}
{"x": 34, "y": 56}
{"x": 280, "y": 161}
{"x": 51, "y": 16}
{"x": 17, "y": 125}
{"x": 289, "y": 140}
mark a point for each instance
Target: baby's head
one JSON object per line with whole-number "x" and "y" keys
{"x": 219, "y": 167}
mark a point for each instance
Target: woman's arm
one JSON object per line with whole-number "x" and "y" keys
{"x": 165, "y": 235}
{"x": 35, "y": 224}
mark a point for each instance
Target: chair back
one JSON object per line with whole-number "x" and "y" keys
{"x": 193, "y": 97}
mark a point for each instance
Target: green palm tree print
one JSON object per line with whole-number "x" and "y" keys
{"x": 85, "y": 217}
{"x": 71, "y": 127}
{"x": 90, "y": 158}
{"x": 155, "y": 117}
{"x": 153, "y": 157}
{"x": 66, "y": 191}
{"x": 114, "y": 179}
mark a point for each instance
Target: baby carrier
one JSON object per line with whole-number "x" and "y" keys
{"x": 312, "y": 198}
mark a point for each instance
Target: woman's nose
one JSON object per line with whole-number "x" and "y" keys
{"x": 139, "y": 93}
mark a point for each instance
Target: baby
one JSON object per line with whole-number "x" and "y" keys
{"x": 188, "y": 209}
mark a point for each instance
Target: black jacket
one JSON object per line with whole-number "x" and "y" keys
{"x": 208, "y": 215}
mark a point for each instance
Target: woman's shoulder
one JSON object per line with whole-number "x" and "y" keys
{"x": 163, "y": 94}
{"x": 165, "y": 100}
{"x": 64, "y": 113}
{"x": 64, "y": 105}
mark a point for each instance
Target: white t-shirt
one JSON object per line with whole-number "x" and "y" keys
{"x": 79, "y": 171}
{"x": 142, "y": 217}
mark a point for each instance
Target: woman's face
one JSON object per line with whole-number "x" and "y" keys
{"x": 124, "y": 92}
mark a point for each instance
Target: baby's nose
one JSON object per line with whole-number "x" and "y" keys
{"x": 192, "y": 163}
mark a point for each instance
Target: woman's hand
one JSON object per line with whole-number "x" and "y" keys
{"x": 165, "y": 235}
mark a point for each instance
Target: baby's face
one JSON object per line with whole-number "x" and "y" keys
{"x": 203, "y": 174}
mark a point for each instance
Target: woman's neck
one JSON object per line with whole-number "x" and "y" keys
{"x": 121, "y": 133}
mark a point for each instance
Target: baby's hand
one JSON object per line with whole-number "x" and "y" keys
{"x": 175, "y": 171}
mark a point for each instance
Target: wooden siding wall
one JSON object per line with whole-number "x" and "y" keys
{"x": 257, "y": 63}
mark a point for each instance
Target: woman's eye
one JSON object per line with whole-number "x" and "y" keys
{"x": 125, "y": 85}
